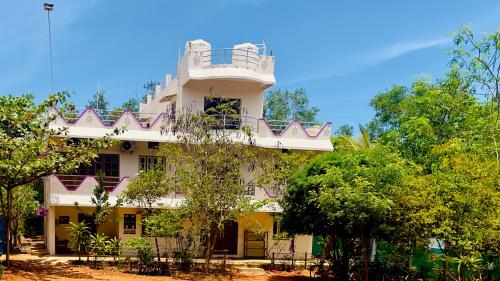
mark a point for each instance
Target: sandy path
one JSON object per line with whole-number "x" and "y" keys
{"x": 28, "y": 267}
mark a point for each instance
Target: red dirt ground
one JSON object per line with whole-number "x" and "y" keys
{"x": 28, "y": 267}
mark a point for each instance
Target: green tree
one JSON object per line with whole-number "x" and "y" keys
{"x": 80, "y": 237}
{"x": 102, "y": 206}
{"x": 24, "y": 205}
{"x": 31, "y": 149}
{"x": 165, "y": 224}
{"x": 289, "y": 105}
{"x": 150, "y": 89}
{"x": 206, "y": 164}
{"x": 131, "y": 104}
{"x": 99, "y": 103}
{"x": 345, "y": 130}
{"x": 451, "y": 135}
{"x": 146, "y": 190}
{"x": 344, "y": 196}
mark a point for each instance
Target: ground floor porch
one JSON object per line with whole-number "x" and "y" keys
{"x": 253, "y": 237}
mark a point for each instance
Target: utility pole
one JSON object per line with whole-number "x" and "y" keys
{"x": 49, "y": 7}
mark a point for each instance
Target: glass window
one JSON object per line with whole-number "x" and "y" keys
{"x": 147, "y": 163}
{"x": 279, "y": 233}
{"x": 224, "y": 109}
{"x": 129, "y": 225}
{"x": 63, "y": 219}
{"x": 108, "y": 163}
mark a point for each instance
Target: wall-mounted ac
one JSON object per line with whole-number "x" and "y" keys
{"x": 128, "y": 146}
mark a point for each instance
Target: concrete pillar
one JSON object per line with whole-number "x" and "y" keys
{"x": 51, "y": 230}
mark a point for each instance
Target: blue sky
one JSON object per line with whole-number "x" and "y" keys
{"x": 342, "y": 52}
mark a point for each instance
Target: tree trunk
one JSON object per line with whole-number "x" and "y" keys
{"x": 211, "y": 240}
{"x": 327, "y": 248}
{"x": 8, "y": 226}
{"x": 157, "y": 249}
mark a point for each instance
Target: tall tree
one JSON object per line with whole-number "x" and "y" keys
{"x": 150, "y": 87}
{"x": 345, "y": 130}
{"x": 207, "y": 164}
{"x": 146, "y": 191}
{"x": 30, "y": 149}
{"x": 99, "y": 103}
{"x": 289, "y": 105}
{"x": 344, "y": 196}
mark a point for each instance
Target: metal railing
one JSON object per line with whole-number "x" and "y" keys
{"x": 229, "y": 56}
{"x": 108, "y": 117}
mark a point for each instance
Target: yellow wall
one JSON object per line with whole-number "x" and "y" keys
{"x": 109, "y": 228}
{"x": 257, "y": 221}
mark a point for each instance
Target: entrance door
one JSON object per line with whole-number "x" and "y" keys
{"x": 255, "y": 244}
{"x": 228, "y": 240}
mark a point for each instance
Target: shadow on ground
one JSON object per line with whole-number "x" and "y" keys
{"x": 38, "y": 270}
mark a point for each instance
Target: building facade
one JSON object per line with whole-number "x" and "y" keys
{"x": 241, "y": 73}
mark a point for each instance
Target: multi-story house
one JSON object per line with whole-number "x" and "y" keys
{"x": 241, "y": 73}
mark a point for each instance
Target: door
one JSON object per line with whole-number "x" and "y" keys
{"x": 227, "y": 241}
{"x": 255, "y": 244}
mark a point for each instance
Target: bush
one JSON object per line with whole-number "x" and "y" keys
{"x": 144, "y": 254}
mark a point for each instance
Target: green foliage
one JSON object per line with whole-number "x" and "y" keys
{"x": 286, "y": 105}
{"x": 163, "y": 224}
{"x": 99, "y": 102}
{"x": 80, "y": 237}
{"x": 131, "y": 104}
{"x": 345, "y": 130}
{"x": 206, "y": 165}
{"x": 143, "y": 247}
{"x": 24, "y": 204}
{"x": 478, "y": 60}
{"x": 102, "y": 206}
{"x": 150, "y": 89}
{"x": 148, "y": 188}
{"x": 31, "y": 149}
{"x": 98, "y": 244}
{"x": 345, "y": 195}
{"x": 114, "y": 246}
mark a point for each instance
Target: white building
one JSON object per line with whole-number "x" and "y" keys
{"x": 243, "y": 73}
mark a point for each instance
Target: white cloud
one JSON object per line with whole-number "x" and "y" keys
{"x": 401, "y": 49}
{"x": 370, "y": 58}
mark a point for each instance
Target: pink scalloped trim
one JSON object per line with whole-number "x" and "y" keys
{"x": 114, "y": 123}
{"x": 302, "y": 126}
{"x": 84, "y": 179}
{"x": 162, "y": 114}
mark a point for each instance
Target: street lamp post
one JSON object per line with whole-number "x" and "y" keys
{"x": 49, "y": 7}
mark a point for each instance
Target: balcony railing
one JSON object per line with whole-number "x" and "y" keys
{"x": 228, "y": 56}
{"x": 109, "y": 117}
{"x": 72, "y": 182}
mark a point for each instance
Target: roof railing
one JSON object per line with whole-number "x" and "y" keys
{"x": 230, "y": 56}
{"x": 108, "y": 117}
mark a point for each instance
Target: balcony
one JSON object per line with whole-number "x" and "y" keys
{"x": 246, "y": 62}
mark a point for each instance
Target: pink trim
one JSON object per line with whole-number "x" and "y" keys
{"x": 302, "y": 126}
{"x": 269, "y": 193}
{"x": 151, "y": 125}
{"x": 114, "y": 123}
{"x": 85, "y": 178}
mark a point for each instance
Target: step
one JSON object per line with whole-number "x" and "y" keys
{"x": 250, "y": 271}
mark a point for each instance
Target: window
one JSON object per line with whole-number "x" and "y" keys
{"x": 63, "y": 219}
{"x": 129, "y": 224}
{"x": 108, "y": 163}
{"x": 147, "y": 163}
{"x": 250, "y": 190}
{"x": 225, "y": 110}
{"x": 279, "y": 233}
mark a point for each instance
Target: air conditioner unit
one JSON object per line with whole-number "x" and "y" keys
{"x": 128, "y": 146}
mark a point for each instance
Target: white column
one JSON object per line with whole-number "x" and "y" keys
{"x": 51, "y": 230}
